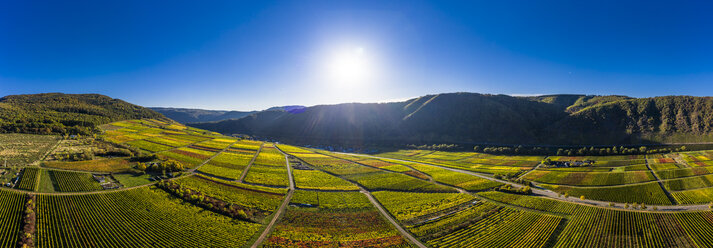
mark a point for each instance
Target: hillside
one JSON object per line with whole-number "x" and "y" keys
{"x": 185, "y": 115}
{"x": 482, "y": 118}
{"x": 65, "y": 113}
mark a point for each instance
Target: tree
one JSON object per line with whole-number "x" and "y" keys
{"x": 141, "y": 166}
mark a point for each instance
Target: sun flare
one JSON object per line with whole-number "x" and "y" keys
{"x": 350, "y": 67}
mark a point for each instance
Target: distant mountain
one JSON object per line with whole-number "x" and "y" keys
{"x": 186, "y": 115}
{"x": 65, "y": 113}
{"x": 483, "y": 118}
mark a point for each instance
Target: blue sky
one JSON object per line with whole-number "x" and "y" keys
{"x": 252, "y": 55}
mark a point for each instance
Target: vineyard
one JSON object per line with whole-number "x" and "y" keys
{"x": 648, "y": 193}
{"x": 149, "y": 217}
{"x": 29, "y": 179}
{"x": 589, "y": 178}
{"x": 314, "y": 179}
{"x": 11, "y": 212}
{"x": 440, "y": 199}
{"x": 269, "y": 168}
{"x": 319, "y": 219}
{"x": 116, "y": 165}
{"x": 471, "y": 161}
{"x": 22, "y": 149}
{"x": 66, "y": 181}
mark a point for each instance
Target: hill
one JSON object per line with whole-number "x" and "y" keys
{"x": 186, "y": 115}
{"x": 65, "y": 113}
{"x": 494, "y": 119}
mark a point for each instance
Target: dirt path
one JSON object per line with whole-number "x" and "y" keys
{"x": 212, "y": 157}
{"x": 245, "y": 172}
{"x": 658, "y": 180}
{"x": 533, "y": 169}
{"x": 282, "y": 208}
{"x": 388, "y": 217}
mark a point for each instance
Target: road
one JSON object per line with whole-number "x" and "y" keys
{"x": 245, "y": 172}
{"x": 282, "y": 208}
{"x": 391, "y": 219}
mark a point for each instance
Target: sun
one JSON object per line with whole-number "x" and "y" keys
{"x": 349, "y": 67}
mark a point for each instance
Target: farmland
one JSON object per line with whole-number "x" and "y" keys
{"x": 339, "y": 219}
{"x": 146, "y": 208}
{"x": 23, "y": 149}
{"x": 440, "y": 199}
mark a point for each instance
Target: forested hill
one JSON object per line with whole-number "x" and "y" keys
{"x": 65, "y": 113}
{"x": 482, "y": 118}
{"x": 185, "y": 115}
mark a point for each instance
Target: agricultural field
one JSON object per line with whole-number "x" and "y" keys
{"x": 460, "y": 180}
{"x": 228, "y": 164}
{"x": 92, "y": 220}
{"x": 419, "y": 189}
{"x": 394, "y": 181}
{"x": 648, "y": 193}
{"x": 407, "y": 206}
{"x": 694, "y": 196}
{"x": 116, "y": 165}
{"x": 190, "y": 157}
{"x": 24, "y": 149}
{"x": 262, "y": 201}
{"x": 29, "y": 179}
{"x": 12, "y": 207}
{"x": 689, "y": 183}
{"x": 589, "y": 178}
{"x": 315, "y": 179}
{"x": 684, "y": 172}
{"x": 597, "y": 227}
{"x": 471, "y": 161}
{"x": 66, "y": 181}
{"x": 321, "y": 219}
{"x": 269, "y": 168}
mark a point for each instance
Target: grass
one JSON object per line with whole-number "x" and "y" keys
{"x": 132, "y": 180}
{"x": 46, "y": 183}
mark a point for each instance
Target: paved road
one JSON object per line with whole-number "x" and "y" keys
{"x": 556, "y": 196}
{"x": 282, "y": 208}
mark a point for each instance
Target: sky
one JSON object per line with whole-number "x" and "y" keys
{"x": 252, "y": 55}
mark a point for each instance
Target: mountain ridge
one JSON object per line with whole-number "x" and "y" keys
{"x": 566, "y": 119}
